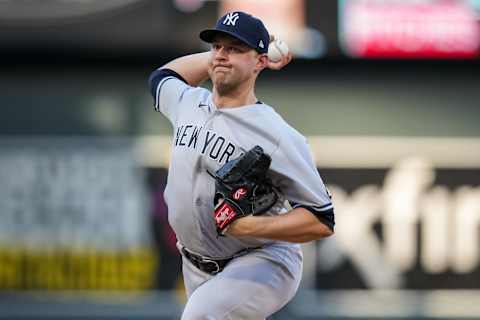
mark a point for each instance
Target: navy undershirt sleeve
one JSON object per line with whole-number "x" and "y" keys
{"x": 158, "y": 75}
{"x": 327, "y": 217}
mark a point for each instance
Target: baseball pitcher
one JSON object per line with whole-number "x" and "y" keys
{"x": 243, "y": 190}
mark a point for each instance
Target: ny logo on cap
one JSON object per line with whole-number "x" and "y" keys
{"x": 231, "y": 19}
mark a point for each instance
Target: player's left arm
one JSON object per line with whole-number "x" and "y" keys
{"x": 312, "y": 216}
{"x": 298, "y": 225}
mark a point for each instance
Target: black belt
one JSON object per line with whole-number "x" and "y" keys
{"x": 209, "y": 265}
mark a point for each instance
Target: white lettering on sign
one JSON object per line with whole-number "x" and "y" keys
{"x": 449, "y": 219}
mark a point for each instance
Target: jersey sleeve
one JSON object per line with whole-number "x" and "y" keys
{"x": 167, "y": 88}
{"x": 300, "y": 181}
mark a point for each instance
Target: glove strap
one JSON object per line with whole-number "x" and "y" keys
{"x": 224, "y": 214}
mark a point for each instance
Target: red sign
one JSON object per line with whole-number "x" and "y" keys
{"x": 415, "y": 30}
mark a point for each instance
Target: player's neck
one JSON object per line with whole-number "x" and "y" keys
{"x": 235, "y": 98}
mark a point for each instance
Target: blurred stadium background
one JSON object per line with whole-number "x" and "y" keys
{"x": 386, "y": 91}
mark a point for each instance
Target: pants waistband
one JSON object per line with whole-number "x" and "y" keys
{"x": 209, "y": 265}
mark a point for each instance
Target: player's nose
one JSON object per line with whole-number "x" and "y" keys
{"x": 221, "y": 53}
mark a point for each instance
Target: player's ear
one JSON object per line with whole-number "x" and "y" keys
{"x": 262, "y": 62}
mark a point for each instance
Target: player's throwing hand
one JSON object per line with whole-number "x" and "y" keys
{"x": 285, "y": 58}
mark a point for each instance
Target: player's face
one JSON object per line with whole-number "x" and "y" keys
{"x": 232, "y": 63}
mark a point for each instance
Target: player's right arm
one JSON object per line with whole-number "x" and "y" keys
{"x": 171, "y": 83}
{"x": 193, "y": 68}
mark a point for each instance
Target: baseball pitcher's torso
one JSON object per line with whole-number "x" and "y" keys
{"x": 204, "y": 138}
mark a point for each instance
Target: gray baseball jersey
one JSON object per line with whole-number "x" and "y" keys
{"x": 205, "y": 137}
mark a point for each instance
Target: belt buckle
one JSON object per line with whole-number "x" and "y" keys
{"x": 215, "y": 264}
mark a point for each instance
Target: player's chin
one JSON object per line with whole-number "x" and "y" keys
{"x": 221, "y": 79}
{"x": 221, "y": 75}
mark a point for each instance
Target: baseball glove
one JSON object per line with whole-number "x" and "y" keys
{"x": 242, "y": 188}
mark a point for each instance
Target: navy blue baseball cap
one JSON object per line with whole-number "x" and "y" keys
{"x": 242, "y": 26}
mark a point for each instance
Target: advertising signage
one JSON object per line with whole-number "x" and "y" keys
{"x": 406, "y": 29}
